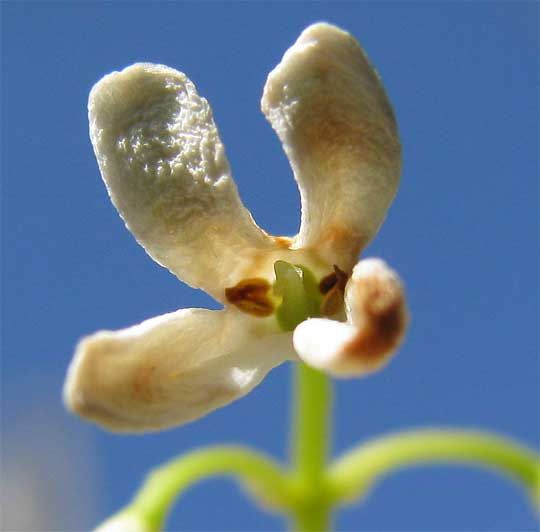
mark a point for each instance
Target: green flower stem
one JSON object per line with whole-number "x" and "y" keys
{"x": 353, "y": 474}
{"x": 311, "y": 422}
{"x": 311, "y": 445}
{"x": 311, "y": 430}
{"x": 164, "y": 484}
{"x": 312, "y": 518}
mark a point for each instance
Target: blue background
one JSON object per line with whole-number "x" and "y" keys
{"x": 463, "y": 234}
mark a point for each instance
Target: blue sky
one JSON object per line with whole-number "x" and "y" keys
{"x": 463, "y": 233}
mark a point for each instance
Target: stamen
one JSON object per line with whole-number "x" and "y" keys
{"x": 251, "y": 296}
{"x": 333, "y": 288}
{"x": 327, "y": 283}
{"x": 338, "y": 276}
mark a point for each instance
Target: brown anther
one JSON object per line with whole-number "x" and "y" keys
{"x": 333, "y": 288}
{"x": 251, "y": 297}
{"x": 342, "y": 277}
{"x": 332, "y": 302}
{"x": 327, "y": 283}
{"x": 337, "y": 277}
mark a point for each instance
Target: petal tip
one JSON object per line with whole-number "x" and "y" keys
{"x": 328, "y": 106}
{"x": 79, "y": 391}
{"x": 377, "y": 322}
{"x": 119, "y": 95}
{"x": 321, "y": 31}
{"x": 169, "y": 370}
{"x": 167, "y": 174}
{"x": 319, "y": 343}
{"x": 376, "y": 305}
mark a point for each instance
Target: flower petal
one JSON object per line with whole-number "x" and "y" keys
{"x": 319, "y": 343}
{"x": 165, "y": 168}
{"x": 329, "y": 108}
{"x": 377, "y": 321}
{"x": 171, "y": 369}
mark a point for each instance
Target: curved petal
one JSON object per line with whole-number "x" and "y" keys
{"x": 171, "y": 369}
{"x": 319, "y": 343}
{"x": 374, "y": 292}
{"x": 165, "y": 168}
{"x": 329, "y": 108}
{"x": 377, "y": 321}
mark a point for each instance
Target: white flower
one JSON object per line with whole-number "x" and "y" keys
{"x": 166, "y": 171}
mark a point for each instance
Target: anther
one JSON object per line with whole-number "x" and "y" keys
{"x": 332, "y": 287}
{"x": 251, "y": 297}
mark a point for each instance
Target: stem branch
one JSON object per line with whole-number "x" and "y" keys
{"x": 165, "y": 484}
{"x": 354, "y": 473}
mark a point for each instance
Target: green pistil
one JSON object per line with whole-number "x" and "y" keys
{"x": 299, "y": 292}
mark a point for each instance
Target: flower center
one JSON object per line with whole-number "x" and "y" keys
{"x": 294, "y": 296}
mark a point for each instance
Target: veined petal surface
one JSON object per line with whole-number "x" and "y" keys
{"x": 165, "y": 168}
{"x": 329, "y": 108}
{"x": 171, "y": 369}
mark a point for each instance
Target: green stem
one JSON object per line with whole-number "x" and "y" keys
{"x": 310, "y": 450}
{"x": 312, "y": 518}
{"x": 353, "y": 474}
{"x": 312, "y": 424}
{"x": 164, "y": 484}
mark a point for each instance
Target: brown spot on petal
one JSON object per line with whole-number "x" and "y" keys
{"x": 384, "y": 320}
{"x": 251, "y": 297}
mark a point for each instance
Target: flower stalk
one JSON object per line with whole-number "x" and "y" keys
{"x": 311, "y": 447}
{"x": 312, "y": 427}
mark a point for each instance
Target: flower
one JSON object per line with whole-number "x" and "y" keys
{"x": 166, "y": 171}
